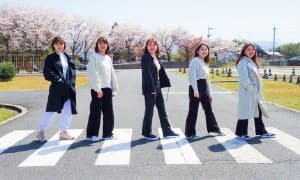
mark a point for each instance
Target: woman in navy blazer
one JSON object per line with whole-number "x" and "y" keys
{"x": 154, "y": 78}
{"x": 59, "y": 69}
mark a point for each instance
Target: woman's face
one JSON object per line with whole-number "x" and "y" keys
{"x": 152, "y": 48}
{"x": 102, "y": 47}
{"x": 250, "y": 51}
{"x": 203, "y": 52}
{"x": 59, "y": 47}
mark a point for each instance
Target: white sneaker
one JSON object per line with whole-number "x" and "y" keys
{"x": 93, "y": 139}
{"x": 193, "y": 137}
{"x": 219, "y": 133}
{"x": 112, "y": 137}
{"x": 244, "y": 137}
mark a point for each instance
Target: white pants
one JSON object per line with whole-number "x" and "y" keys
{"x": 65, "y": 118}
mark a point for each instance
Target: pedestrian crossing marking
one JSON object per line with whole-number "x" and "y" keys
{"x": 12, "y": 138}
{"x": 286, "y": 140}
{"x": 117, "y": 150}
{"x": 50, "y": 153}
{"x": 239, "y": 149}
{"x": 178, "y": 150}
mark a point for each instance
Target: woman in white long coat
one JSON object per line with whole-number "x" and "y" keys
{"x": 250, "y": 98}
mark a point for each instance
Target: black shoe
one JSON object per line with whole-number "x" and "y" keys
{"x": 171, "y": 135}
{"x": 150, "y": 137}
{"x": 193, "y": 137}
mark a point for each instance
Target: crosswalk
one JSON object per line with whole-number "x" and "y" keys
{"x": 176, "y": 151}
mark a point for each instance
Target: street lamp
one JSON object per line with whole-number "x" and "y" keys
{"x": 208, "y": 31}
{"x": 274, "y": 31}
{"x": 112, "y": 28}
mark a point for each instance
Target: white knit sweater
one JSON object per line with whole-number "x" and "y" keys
{"x": 198, "y": 69}
{"x": 98, "y": 75}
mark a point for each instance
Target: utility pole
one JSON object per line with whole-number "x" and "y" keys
{"x": 274, "y": 32}
{"x": 208, "y": 31}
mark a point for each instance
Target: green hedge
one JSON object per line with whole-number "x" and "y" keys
{"x": 7, "y": 71}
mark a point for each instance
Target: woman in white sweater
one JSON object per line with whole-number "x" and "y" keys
{"x": 200, "y": 91}
{"x": 103, "y": 85}
{"x": 250, "y": 98}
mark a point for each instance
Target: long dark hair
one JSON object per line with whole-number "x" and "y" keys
{"x": 196, "y": 54}
{"x": 156, "y": 43}
{"x": 103, "y": 40}
{"x": 254, "y": 58}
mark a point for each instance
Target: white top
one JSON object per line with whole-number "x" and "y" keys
{"x": 156, "y": 63}
{"x": 198, "y": 69}
{"x": 64, "y": 63}
{"x": 101, "y": 73}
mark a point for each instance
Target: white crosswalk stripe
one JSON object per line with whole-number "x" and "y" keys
{"x": 240, "y": 150}
{"x": 286, "y": 140}
{"x": 116, "y": 151}
{"x": 12, "y": 138}
{"x": 50, "y": 153}
{"x": 178, "y": 150}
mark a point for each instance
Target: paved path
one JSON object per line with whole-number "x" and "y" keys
{"x": 131, "y": 157}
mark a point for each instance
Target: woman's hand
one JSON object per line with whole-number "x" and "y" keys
{"x": 197, "y": 95}
{"x": 100, "y": 94}
{"x": 210, "y": 99}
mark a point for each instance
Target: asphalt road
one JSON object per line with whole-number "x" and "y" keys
{"x": 147, "y": 159}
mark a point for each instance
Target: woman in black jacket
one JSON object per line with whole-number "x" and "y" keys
{"x": 154, "y": 78}
{"x": 59, "y": 69}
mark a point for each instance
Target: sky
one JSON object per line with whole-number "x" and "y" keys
{"x": 252, "y": 20}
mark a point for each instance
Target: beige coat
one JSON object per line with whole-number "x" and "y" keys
{"x": 249, "y": 90}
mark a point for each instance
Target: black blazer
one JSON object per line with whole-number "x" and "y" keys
{"x": 150, "y": 80}
{"x": 60, "y": 89}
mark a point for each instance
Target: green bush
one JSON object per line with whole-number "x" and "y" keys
{"x": 7, "y": 71}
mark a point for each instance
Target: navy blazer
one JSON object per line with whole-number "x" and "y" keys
{"x": 151, "y": 79}
{"x": 60, "y": 89}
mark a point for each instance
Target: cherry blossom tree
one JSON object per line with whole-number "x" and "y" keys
{"x": 167, "y": 41}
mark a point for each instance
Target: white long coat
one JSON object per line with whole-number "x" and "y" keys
{"x": 249, "y": 90}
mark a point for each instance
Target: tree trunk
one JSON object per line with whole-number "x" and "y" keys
{"x": 169, "y": 56}
{"x": 85, "y": 57}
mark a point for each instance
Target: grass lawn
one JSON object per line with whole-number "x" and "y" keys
{"x": 21, "y": 83}
{"x": 5, "y": 114}
{"x": 278, "y": 92}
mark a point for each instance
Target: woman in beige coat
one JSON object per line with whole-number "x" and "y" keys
{"x": 250, "y": 98}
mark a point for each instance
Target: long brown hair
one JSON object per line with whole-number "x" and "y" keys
{"x": 196, "y": 54}
{"x": 150, "y": 40}
{"x": 103, "y": 40}
{"x": 58, "y": 40}
{"x": 254, "y": 58}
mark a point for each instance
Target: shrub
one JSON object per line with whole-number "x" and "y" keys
{"x": 7, "y": 71}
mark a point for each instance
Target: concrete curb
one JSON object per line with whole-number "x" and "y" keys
{"x": 21, "y": 111}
